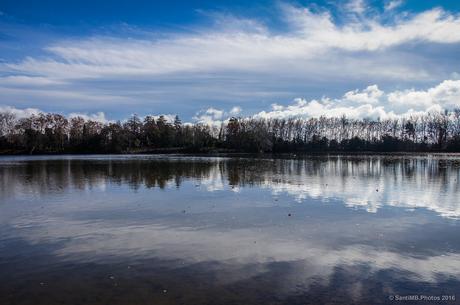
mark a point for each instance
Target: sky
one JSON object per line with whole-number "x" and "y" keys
{"x": 209, "y": 60}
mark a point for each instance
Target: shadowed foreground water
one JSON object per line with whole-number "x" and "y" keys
{"x": 189, "y": 230}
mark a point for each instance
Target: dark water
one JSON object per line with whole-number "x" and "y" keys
{"x": 171, "y": 230}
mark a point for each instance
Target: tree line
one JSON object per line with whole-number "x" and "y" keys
{"x": 55, "y": 133}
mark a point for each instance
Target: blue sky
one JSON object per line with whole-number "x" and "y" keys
{"x": 208, "y": 60}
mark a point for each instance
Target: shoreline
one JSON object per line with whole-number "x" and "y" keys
{"x": 240, "y": 154}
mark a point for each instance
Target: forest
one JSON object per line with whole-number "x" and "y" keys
{"x": 49, "y": 133}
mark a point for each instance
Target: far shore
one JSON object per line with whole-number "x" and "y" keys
{"x": 230, "y": 153}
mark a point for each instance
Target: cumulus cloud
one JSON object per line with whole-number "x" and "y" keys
{"x": 215, "y": 117}
{"x": 27, "y": 112}
{"x": 369, "y": 103}
{"x": 370, "y": 95}
{"x": 20, "y": 113}
{"x": 98, "y": 117}
{"x": 210, "y": 116}
{"x": 236, "y": 110}
{"x": 215, "y": 113}
{"x": 329, "y": 108}
{"x": 445, "y": 95}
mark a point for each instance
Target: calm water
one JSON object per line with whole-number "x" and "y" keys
{"x": 188, "y": 230}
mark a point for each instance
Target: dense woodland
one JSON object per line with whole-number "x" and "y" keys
{"x": 54, "y": 133}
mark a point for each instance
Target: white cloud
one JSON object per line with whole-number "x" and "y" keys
{"x": 369, "y": 35}
{"x": 215, "y": 113}
{"x": 356, "y": 6}
{"x": 98, "y": 117}
{"x": 445, "y": 95}
{"x": 393, "y": 4}
{"x": 370, "y": 95}
{"x": 373, "y": 103}
{"x": 215, "y": 117}
{"x": 22, "y": 80}
{"x": 27, "y": 112}
{"x": 236, "y": 110}
{"x": 211, "y": 117}
{"x": 325, "y": 107}
{"x": 20, "y": 113}
{"x": 311, "y": 35}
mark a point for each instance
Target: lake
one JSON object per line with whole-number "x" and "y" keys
{"x": 215, "y": 230}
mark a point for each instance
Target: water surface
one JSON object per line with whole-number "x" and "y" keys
{"x": 202, "y": 230}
